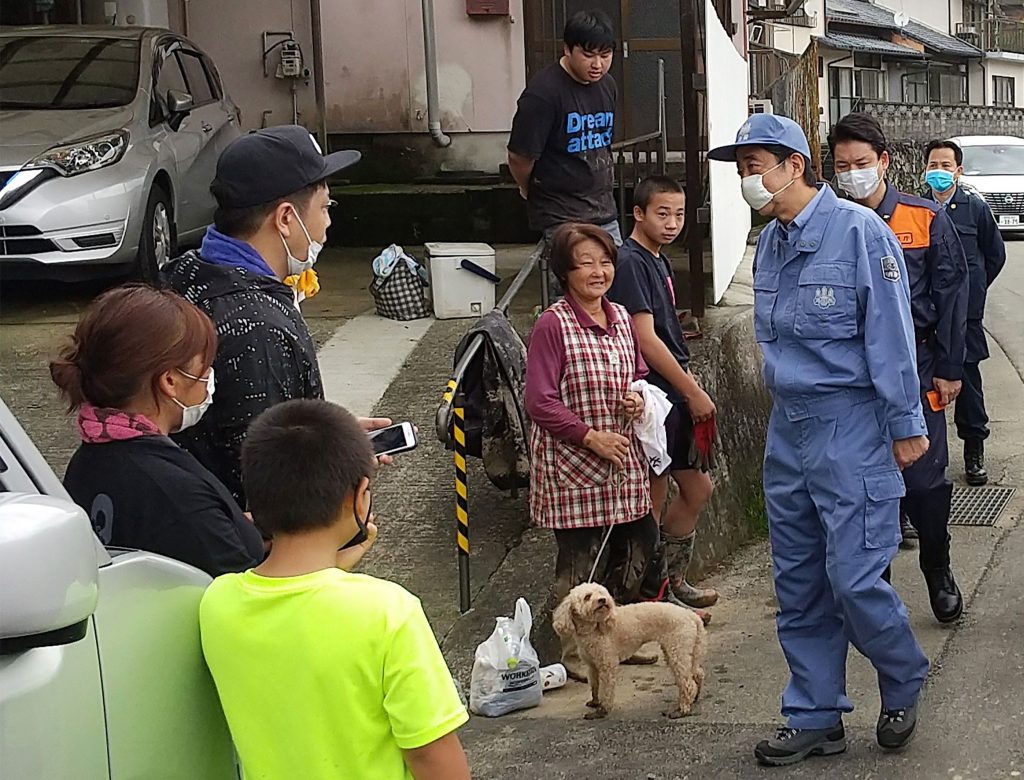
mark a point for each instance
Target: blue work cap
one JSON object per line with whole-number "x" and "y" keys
{"x": 765, "y": 130}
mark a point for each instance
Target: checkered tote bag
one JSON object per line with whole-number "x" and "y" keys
{"x": 398, "y": 286}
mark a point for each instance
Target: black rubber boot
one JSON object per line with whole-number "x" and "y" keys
{"x": 658, "y": 587}
{"x": 929, "y": 512}
{"x": 974, "y": 462}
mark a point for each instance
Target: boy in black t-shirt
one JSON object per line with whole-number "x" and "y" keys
{"x": 644, "y": 285}
{"x": 559, "y": 151}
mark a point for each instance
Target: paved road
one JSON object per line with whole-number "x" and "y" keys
{"x": 973, "y": 711}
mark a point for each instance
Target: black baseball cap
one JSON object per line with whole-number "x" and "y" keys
{"x": 269, "y": 164}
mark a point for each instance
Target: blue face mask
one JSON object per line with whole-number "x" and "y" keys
{"x": 940, "y": 181}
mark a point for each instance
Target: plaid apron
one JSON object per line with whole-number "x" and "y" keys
{"x": 570, "y": 486}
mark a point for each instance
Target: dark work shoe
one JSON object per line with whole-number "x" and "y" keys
{"x": 944, "y": 594}
{"x": 908, "y": 532}
{"x": 790, "y": 746}
{"x": 896, "y": 727}
{"x": 974, "y": 462}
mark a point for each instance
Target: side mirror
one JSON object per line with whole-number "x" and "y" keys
{"x": 49, "y": 576}
{"x": 179, "y": 105}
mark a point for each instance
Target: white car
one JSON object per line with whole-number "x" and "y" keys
{"x": 101, "y": 669}
{"x": 994, "y": 166}
{"x": 109, "y": 139}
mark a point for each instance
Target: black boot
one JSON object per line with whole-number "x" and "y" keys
{"x": 974, "y": 462}
{"x": 658, "y": 587}
{"x": 908, "y": 534}
{"x": 944, "y": 594}
{"x": 929, "y": 512}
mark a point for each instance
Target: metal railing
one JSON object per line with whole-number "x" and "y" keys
{"x": 993, "y": 34}
{"x": 636, "y": 158}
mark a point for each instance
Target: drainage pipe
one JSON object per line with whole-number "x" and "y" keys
{"x": 319, "y": 90}
{"x": 430, "y": 58}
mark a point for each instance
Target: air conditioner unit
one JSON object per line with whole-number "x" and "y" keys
{"x": 760, "y": 107}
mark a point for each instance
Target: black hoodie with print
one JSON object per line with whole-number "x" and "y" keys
{"x": 265, "y": 356}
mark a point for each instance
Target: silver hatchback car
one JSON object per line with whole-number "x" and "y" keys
{"x": 109, "y": 138}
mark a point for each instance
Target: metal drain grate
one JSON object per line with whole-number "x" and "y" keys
{"x": 979, "y": 505}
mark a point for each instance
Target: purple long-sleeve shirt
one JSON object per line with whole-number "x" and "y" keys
{"x": 544, "y": 365}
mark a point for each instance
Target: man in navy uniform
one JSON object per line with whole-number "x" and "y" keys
{"x": 986, "y": 255}
{"x": 937, "y": 271}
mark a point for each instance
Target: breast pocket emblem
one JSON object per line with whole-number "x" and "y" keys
{"x": 824, "y": 298}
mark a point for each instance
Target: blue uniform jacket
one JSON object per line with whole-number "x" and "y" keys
{"x": 986, "y": 256}
{"x": 832, "y": 314}
{"x": 937, "y": 268}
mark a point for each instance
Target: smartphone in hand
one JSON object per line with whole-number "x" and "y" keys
{"x": 394, "y": 439}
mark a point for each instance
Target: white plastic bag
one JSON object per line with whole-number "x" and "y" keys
{"x": 506, "y": 670}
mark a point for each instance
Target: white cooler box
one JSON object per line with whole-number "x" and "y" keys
{"x": 457, "y": 292}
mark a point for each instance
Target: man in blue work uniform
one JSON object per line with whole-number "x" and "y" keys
{"x": 937, "y": 272}
{"x": 986, "y": 255}
{"x": 832, "y": 316}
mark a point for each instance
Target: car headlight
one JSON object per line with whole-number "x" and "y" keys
{"x": 89, "y": 154}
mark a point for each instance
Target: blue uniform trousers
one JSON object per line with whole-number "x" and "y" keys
{"x": 832, "y": 490}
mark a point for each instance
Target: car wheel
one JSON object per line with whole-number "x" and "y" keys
{"x": 158, "y": 242}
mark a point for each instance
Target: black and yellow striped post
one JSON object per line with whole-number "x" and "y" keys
{"x": 461, "y": 499}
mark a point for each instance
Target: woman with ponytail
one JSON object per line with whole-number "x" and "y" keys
{"x": 138, "y": 368}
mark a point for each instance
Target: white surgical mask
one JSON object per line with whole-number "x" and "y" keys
{"x": 296, "y": 266}
{"x": 861, "y": 183}
{"x": 755, "y": 193}
{"x": 190, "y": 415}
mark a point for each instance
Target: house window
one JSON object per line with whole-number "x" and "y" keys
{"x": 849, "y": 87}
{"x": 935, "y": 86}
{"x": 1003, "y": 88}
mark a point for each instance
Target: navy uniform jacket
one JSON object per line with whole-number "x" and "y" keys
{"x": 986, "y": 255}
{"x": 937, "y": 268}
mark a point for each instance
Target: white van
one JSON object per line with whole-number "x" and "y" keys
{"x": 994, "y": 166}
{"x": 101, "y": 670}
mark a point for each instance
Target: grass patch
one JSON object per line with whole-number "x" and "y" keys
{"x": 756, "y": 511}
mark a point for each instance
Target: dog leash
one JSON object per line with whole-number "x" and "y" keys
{"x": 620, "y": 476}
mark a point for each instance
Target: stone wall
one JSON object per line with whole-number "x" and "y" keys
{"x": 923, "y": 123}
{"x": 909, "y": 128}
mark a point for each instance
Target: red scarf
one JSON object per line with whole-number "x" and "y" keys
{"x": 99, "y": 426}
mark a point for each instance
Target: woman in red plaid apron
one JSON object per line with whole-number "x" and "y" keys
{"x": 588, "y": 470}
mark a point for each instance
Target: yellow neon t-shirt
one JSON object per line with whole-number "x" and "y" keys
{"x": 325, "y": 676}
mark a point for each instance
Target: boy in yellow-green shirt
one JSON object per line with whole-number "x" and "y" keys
{"x": 324, "y": 674}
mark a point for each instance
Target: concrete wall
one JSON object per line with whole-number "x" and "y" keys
{"x": 934, "y": 13}
{"x": 376, "y": 77}
{"x": 794, "y": 39}
{"x": 231, "y": 33}
{"x": 374, "y": 73}
{"x": 726, "y": 112}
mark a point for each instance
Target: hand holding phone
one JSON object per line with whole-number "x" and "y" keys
{"x": 394, "y": 439}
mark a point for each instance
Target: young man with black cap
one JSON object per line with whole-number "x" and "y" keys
{"x": 250, "y": 274}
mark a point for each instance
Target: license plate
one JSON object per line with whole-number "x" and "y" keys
{"x": 1008, "y": 220}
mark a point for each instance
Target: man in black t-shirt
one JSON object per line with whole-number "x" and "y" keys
{"x": 559, "y": 151}
{"x": 644, "y": 285}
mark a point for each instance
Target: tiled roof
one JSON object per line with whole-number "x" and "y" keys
{"x": 846, "y": 42}
{"x": 867, "y": 14}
